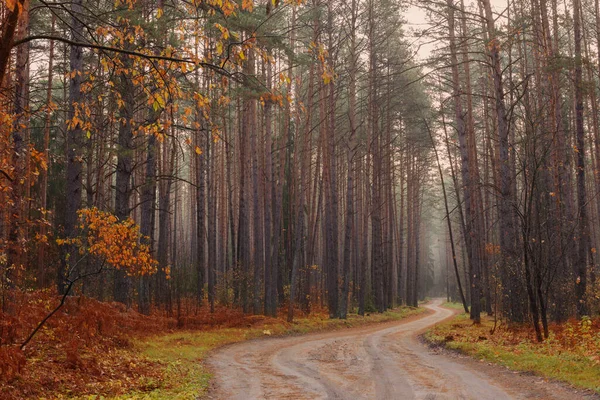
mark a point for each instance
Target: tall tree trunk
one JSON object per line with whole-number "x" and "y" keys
{"x": 246, "y": 132}
{"x": 268, "y": 201}
{"x": 375, "y": 145}
{"x": 164, "y": 254}
{"x": 327, "y": 131}
{"x": 478, "y": 215}
{"x": 211, "y": 219}
{"x": 258, "y": 259}
{"x": 147, "y": 202}
{"x": 511, "y": 287}
{"x": 74, "y": 148}
{"x": 200, "y": 134}
{"x": 44, "y": 173}
{"x": 350, "y": 155}
{"x": 124, "y": 167}
{"x": 471, "y": 233}
{"x": 20, "y": 153}
{"x": 582, "y": 233}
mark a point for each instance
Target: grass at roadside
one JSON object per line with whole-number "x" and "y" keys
{"x": 180, "y": 354}
{"x": 570, "y": 354}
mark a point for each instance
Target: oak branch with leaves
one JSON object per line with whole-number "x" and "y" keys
{"x": 113, "y": 242}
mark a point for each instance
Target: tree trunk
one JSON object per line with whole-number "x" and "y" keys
{"x": 74, "y": 148}
{"x": 582, "y": 233}
{"x": 350, "y": 154}
{"x": 468, "y": 180}
{"x": 124, "y": 168}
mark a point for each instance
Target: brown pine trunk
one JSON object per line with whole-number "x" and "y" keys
{"x": 511, "y": 286}
{"x": 20, "y": 153}
{"x": 147, "y": 203}
{"x": 410, "y": 243}
{"x": 582, "y": 232}
{"x": 468, "y": 177}
{"x": 329, "y": 185}
{"x": 74, "y": 148}
{"x": 478, "y": 215}
{"x": 211, "y": 219}
{"x": 400, "y": 227}
{"x": 244, "y": 243}
{"x": 374, "y": 137}
{"x": 46, "y": 149}
{"x": 124, "y": 168}
{"x": 258, "y": 250}
{"x": 350, "y": 155}
{"x": 268, "y": 202}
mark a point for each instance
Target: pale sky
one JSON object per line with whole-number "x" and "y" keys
{"x": 416, "y": 18}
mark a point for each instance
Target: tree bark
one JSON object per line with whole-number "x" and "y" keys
{"x": 583, "y": 234}
{"x": 74, "y": 148}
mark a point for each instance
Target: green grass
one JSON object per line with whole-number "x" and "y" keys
{"x": 181, "y": 354}
{"x": 518, "y": 353}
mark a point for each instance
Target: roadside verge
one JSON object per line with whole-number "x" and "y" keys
{"x": 571, "y": 354}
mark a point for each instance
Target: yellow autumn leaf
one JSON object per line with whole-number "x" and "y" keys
{"x": 160, "y": 100}
{"x": 198, "y": 150}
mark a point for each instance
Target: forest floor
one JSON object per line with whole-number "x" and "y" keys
{"x": 386, "y": 361}
{"x": 92, "y": 349}
{"x": 571, "y": 353}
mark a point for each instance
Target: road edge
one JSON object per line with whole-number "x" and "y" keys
{"x": 461, "y": 355}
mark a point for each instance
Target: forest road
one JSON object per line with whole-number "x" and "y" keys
{"x": 385, "y": 361}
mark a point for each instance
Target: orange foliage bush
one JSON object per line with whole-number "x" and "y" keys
{"x": 82, "y": 349}
{"x": 582, "y": 337}
{"x": 12, "y": 361}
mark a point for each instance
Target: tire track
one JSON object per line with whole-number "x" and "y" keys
{"x": 377, "y": 362}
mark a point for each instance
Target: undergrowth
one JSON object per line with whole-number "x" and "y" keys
{"x": 570, "y": 354}
{"x": 84, "y": 348}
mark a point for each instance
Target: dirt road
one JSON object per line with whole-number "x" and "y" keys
{"x": 378, "y": 362}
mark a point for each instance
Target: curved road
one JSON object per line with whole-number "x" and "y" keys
{"x": 385, "y": 361}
